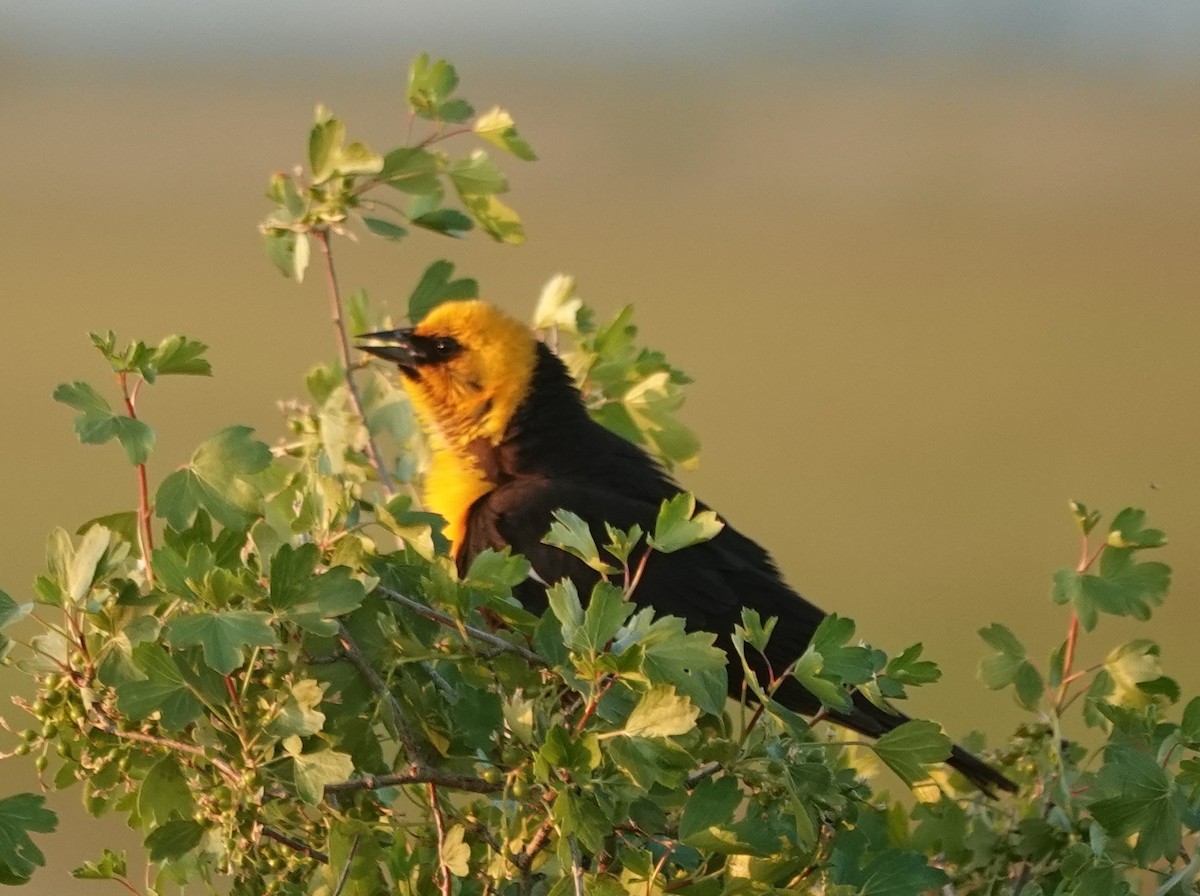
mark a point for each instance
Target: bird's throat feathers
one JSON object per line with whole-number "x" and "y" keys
{"x": 469, "y": 400}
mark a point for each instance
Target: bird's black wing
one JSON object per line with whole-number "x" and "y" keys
{"x": 706, "y": 585}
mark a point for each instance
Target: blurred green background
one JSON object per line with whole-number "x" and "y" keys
{"x": 933, "y": 269}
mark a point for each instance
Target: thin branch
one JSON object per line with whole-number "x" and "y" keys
{"x": 536, "y": 844}
{"x": 576, "y": 864}
{"x": 296, "y": 845}
{"x": 341, "y": 885}
{"x": 439, "y": 825}
{"x": 705, "y": 771}
{"x": 106, "y": 724}
{"x": 379, "y": 686}
{"x": 145, "y": 532}
{"x": 126, "y": 884}
{"x": 1068, "y": 659}
{"x": 416, "y": 774}
{"x": 343, "y": 344}
{"x": 450, "y": 622}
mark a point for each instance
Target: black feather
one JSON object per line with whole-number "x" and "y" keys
{"x": 553, "y": 455}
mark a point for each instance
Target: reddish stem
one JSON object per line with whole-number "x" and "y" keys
{"x": 145, "y": 532}
{"x": 1068, "y": 659}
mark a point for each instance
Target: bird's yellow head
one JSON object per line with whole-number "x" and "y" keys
{"x": 467, "y": 367}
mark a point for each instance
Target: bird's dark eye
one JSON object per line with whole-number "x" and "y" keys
{"x": 444, "y": 345}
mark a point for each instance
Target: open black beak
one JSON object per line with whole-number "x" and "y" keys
{"x": 397, "y": 346}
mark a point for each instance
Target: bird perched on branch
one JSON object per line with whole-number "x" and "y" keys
{"x": 513, "y": 442}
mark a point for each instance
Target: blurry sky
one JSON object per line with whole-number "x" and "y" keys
{"x": 1104, "y": 32}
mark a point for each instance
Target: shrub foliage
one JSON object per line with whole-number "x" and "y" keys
{"x": 271, "y": 669}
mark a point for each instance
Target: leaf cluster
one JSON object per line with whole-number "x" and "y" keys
{"x": 272, "y": 670}
{"x": 346, "y": 181}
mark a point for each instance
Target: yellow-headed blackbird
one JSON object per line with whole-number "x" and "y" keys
{"x": 513, "y": 442}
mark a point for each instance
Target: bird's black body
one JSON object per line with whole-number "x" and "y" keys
{"x": 553, "y": 455}
{"x": 514, "y": 442}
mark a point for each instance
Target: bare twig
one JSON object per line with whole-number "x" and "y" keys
{"x": 107, "y": 725}
{"x": 343, "y": 344}
{"x": 293, "y": 844}
{"x": 341, "y": 885}
{"x": 379, "y": 686}
{"x": 439, "y": 825}
{"x": 416, "y": 774}
{"x": 450, "y": 622}
{"x": 145, "y": 533}
{"x": 705, "y": 771}
{"x": 538, "y": 842}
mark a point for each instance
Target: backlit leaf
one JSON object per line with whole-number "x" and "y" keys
{"x": 911, "y": 747}
{"x": 679, "y": 525}
{"x": 496, "y": 126}
{"x": 661, "y": 712}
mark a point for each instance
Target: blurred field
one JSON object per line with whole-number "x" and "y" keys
{"x": 924, "y": 306}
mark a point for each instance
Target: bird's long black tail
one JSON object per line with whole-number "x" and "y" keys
{"x": 869, "y": 719}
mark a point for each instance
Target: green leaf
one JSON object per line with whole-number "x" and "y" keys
{"x": 661, "y": 712}
{"x": 324, "y": 147}
{"x": 1137, "y": 676}
{"x": 899, "y": 873}
{"x": 477, "y": 175}
{"x": 707, "y": 822}
{"x": 688, "y": 660}
{"x": 569, "y": 532}
{"x": 358, "y": 159}
{"x": 19, "y": 815}
{"x": 411, "y": 170}
{"x": 281, "y": 246}
{"x": 1128, "y": 530}
{"x": 164, "y": 690}
{"x": 909, "y": 748}
{"x": 908, "y": 668}
{"x": 223, "y": 636}
{"x": 179, "y": 356}
{"x": 174, "y": 839}
{"x": 315, "y": 770}
{"x": 217, "y": 480}
{"x": 578, "y": 815}
{"x": 454, "y": 853}
{"x": 1010, "y": 666}
{"x": 112, "y": 865}
{"x": 679, "y": 525}
{"x": 1139, "y": 802}
{"x": 498, "y": 221}
{"x": 446, "y": 221}
{"x": 755, "y": 631}
{"x": 97, "y": 424}
{"x": 430, "y": 89}
{"x": 1084, "y": 518}
{"x": 165, "y": 792}
{"x": 436, "y": 287}
{"x": 829, "y": 665}
{"x": 299, "y": 716}
{"x": 311, "y": 600}
{"x": 606, "y": 612}
{"x": 11, "y": 611}
{"x": 1124, "y": 586}
{"x": 1189, "y": 725}
{"x": 562, "y": 751}
{"x": 385, "y": 229}
{"x": 496, "y": 126}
